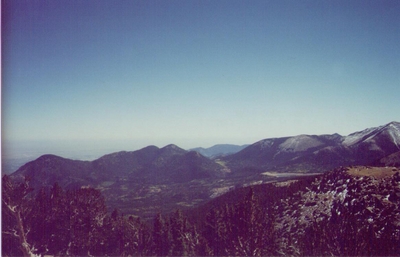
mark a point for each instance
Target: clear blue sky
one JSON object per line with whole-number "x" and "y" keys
{"x": 197, "y": 73}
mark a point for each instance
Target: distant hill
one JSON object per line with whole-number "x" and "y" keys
{"x": 219, "y": 150}
{"x": 151, "y": 163}
{"x": 145, "y": 178}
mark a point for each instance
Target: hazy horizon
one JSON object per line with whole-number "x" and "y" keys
{"x": 103, "y": 75}
{"x": 91, "y": 149}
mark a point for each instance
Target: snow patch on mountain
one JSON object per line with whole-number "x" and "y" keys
{"x": 356, "y": 137}
{"x": 373, "y": 146}
{"x": 299, "y": 143}
{"x": 368, "y": 135}
{"x": 394, "y": 132}
{"x": 266, "y": 143}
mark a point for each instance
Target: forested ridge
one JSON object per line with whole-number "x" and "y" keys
{"x": 332, "y": 214}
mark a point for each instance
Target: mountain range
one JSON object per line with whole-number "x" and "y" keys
{"x": 318, "y": 153}
{"x": 153, "y": 179}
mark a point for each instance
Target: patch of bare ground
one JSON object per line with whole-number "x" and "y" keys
{"x": 285, "y": 183}
{"x": 375, "y": 172}
{"x": 288, "y": 174}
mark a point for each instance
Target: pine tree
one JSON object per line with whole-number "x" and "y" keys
{"x": 16, "y": 209}
{"x": 161, "y": 236}
{"x": 253, "y": 227}
{"x": 184, "y": 237}
{"x": 41, "y": 229}
{"x": 211, "y": 232}
{"x": 87, "y": 212}
{"x": 315, "y": 240}
{"x": 243, "y": 229}
{"x": 141, "y": 237}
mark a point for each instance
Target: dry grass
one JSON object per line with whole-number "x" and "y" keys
{"x": 376, "y": 172}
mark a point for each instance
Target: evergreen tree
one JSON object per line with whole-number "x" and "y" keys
{"x": 315, "y": 240}
{"x": 16, "y": 211}
{"x": 211, "y": 232}
{"x": 184, "y": 237}
{"x": 254, "y": 228}
{"x": 125, "y": 237}
{"x": 51, "y": 224}
{"x": 242, "y": 229}
{"x": 141, "y": 237}
{"x": 87, "y": 212}
{"x": 161, "y": 236}
{"x": 41, "y": 227}
{"x": 72, "y": 223}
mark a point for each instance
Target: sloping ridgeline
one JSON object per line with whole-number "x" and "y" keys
{"x": 318, "y": 153}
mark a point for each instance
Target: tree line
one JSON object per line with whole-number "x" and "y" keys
{"x": 76, "y": 222}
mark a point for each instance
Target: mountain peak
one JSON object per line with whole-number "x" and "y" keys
{"x": 393, "y": 126}
{"x": 168, "y": 151}
{"x": 394, "y": 132}
{"x": 391, "y": 129}
{"x": 172, "y": 146}
{"x": 396, "y": 123}
{"x": 45, "y": 157}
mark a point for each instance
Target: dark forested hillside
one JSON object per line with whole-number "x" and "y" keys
{"x": 347, "y": 211}
{"x": 141, "y": 182}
